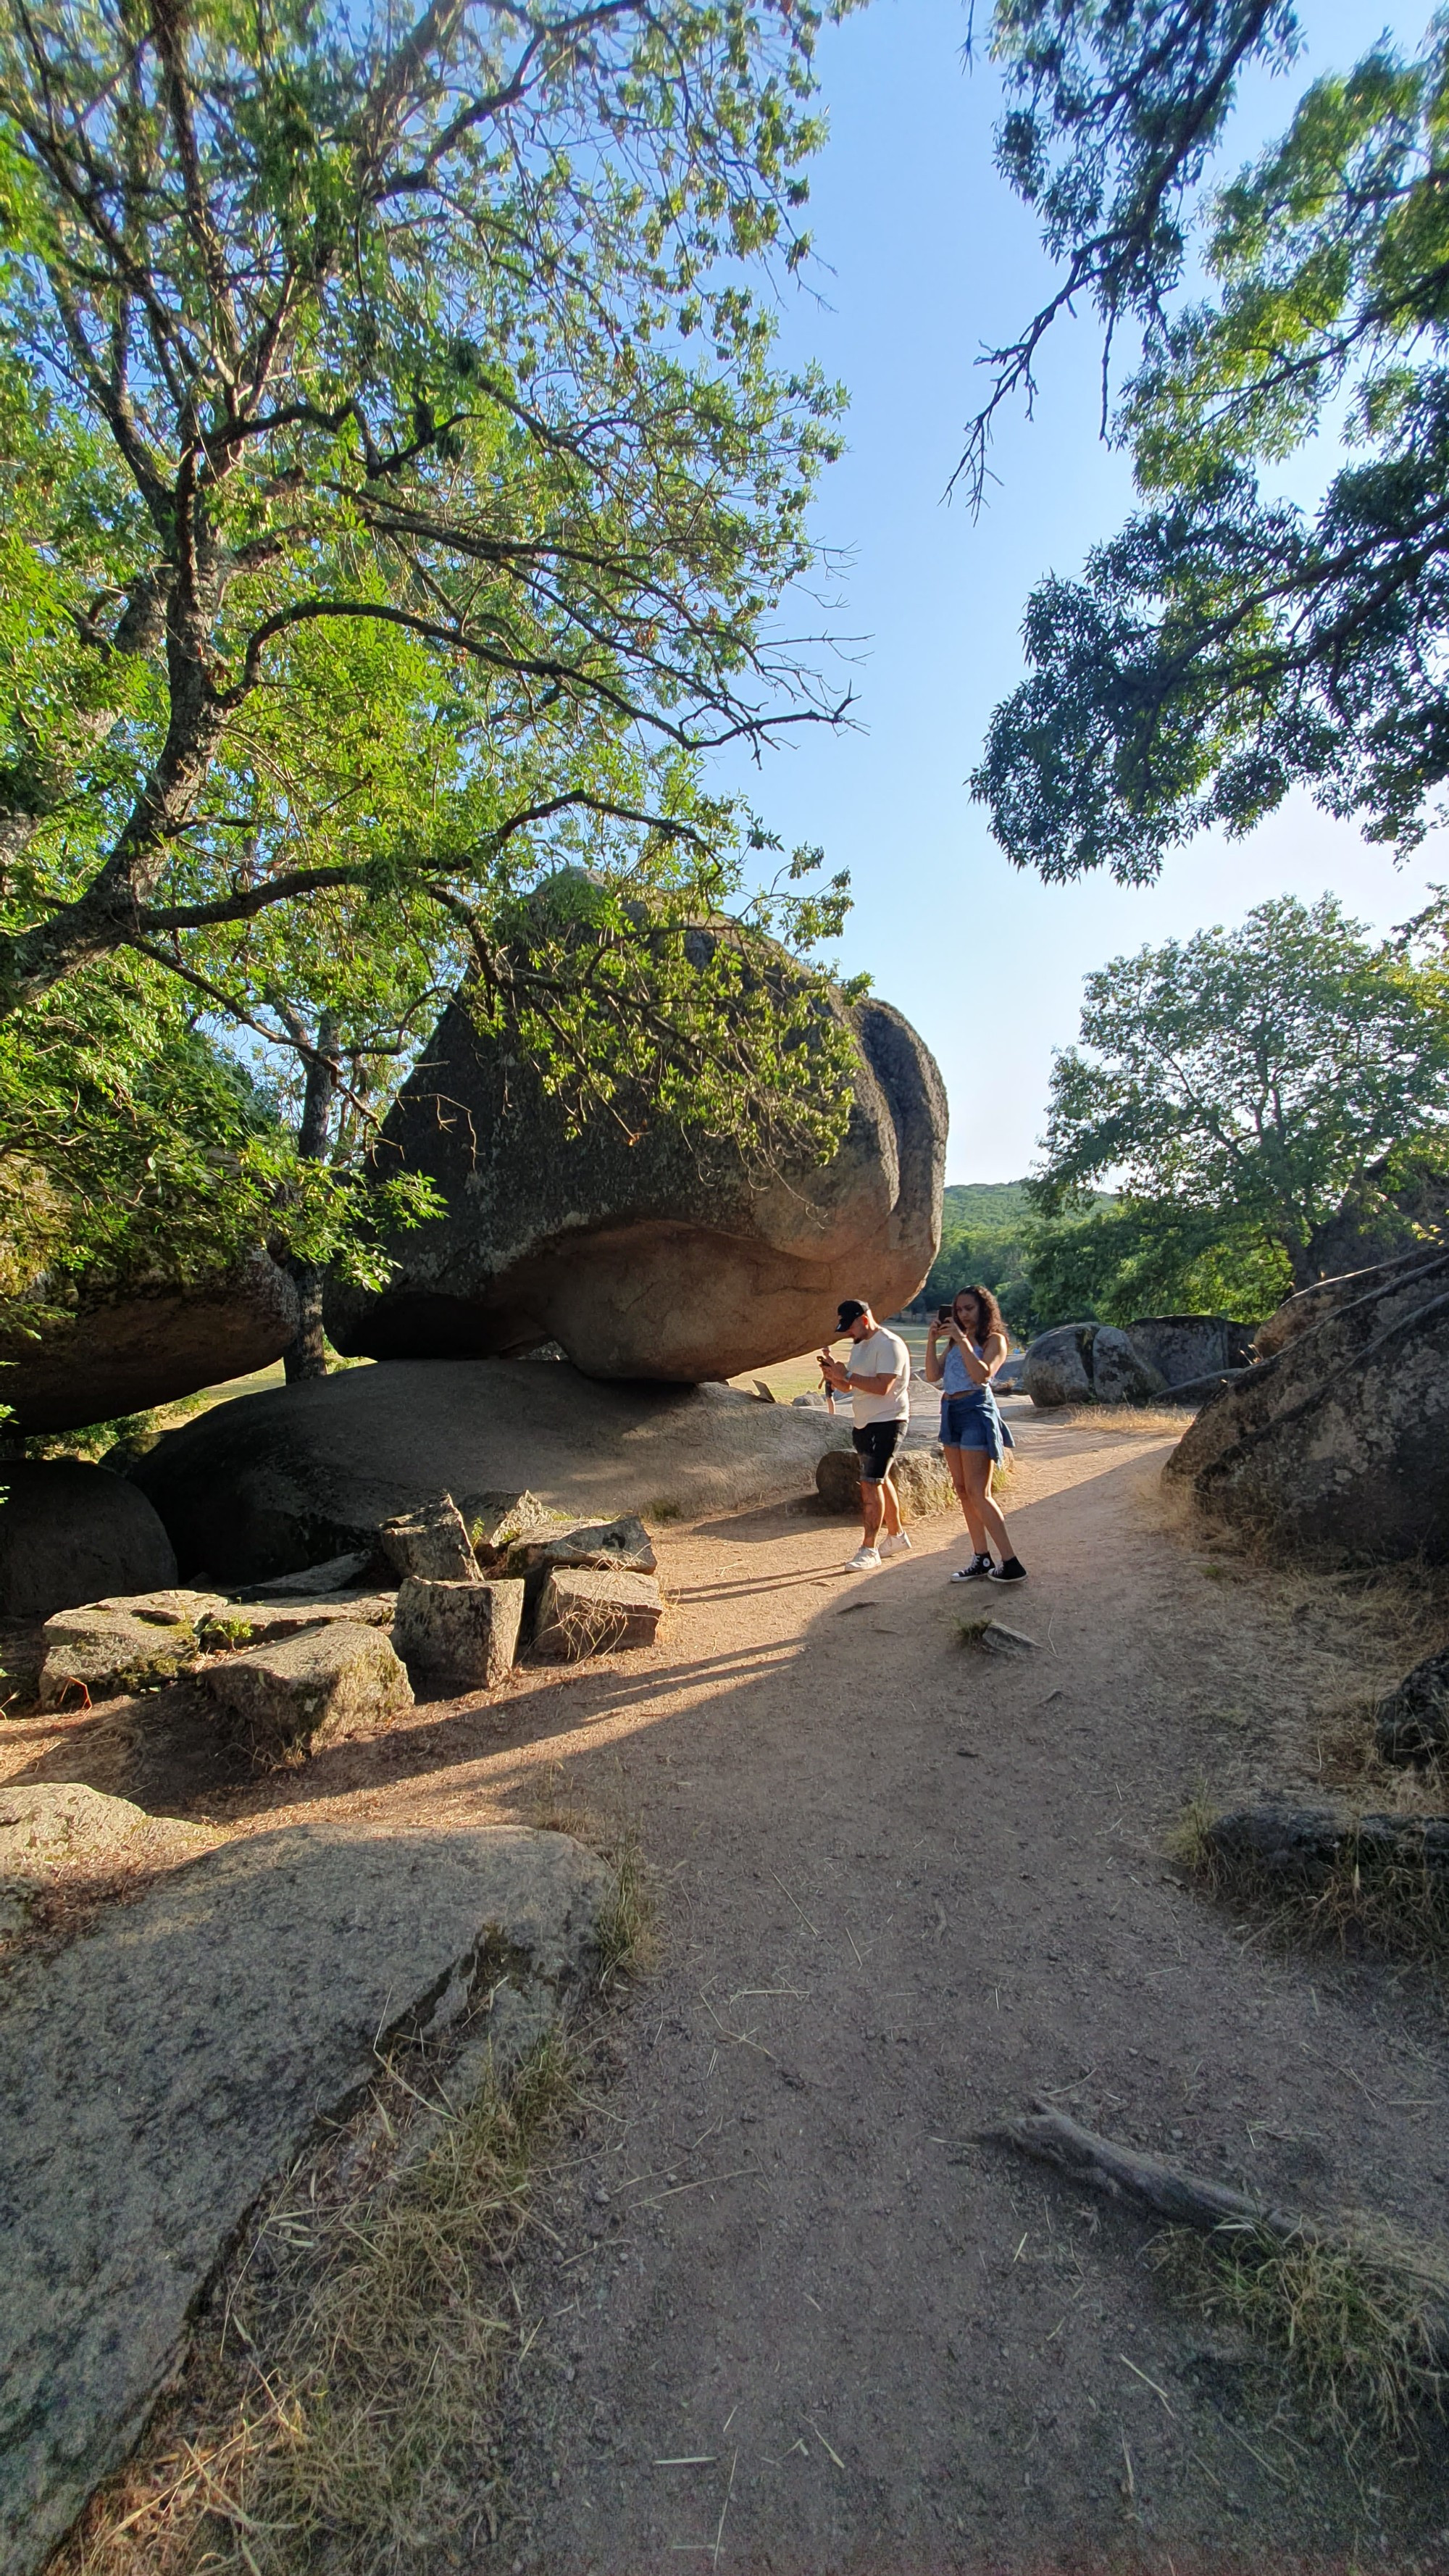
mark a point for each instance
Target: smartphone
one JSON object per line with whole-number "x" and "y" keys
{"x": 945, "y": 1315}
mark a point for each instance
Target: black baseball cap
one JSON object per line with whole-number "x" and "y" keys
{"x": 850, "y": 1308}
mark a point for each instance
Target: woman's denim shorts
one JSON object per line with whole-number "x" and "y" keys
{"x": 966, "y": 1424}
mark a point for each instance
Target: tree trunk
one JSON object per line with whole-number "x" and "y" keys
{"x": 307, "y": 1355}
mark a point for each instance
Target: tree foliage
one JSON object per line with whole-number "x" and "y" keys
{"x": 399, "y": 495}
{"x": 1227, "y": 644}
{"x": 1242, "y": 1083}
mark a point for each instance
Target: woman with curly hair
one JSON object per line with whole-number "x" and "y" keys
{"x": 973, "y": 1435}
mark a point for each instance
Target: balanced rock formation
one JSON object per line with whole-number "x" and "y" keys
{"x": 1340, "y": 1440}
{"x": 1088, "y": 1364}
{"x": 71, "y": 1533}
{"x": 662, "y": 1257}
{"x": 124, "y": 1349}
{"x": 269, "y": 1484}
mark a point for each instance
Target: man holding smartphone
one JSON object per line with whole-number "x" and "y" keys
{"x": 877, "y": 1380}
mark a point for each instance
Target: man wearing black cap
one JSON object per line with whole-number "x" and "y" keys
{"x": 878, "y": 1381}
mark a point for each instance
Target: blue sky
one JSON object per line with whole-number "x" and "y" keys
{"x": 926, "y": 257}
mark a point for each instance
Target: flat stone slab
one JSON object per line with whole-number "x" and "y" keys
{"x": 95, "y": 1653}
{"x": 265, "y": 1623}
{"x": 54, "y": 1833}
{"x": 157, "y": 2075}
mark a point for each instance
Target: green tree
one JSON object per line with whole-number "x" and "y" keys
{"x": 1240, "y": 1084}
{"x": 396, "y": 497}
{"x": 400, "y": 486}
{"x": 1227, "y": 645}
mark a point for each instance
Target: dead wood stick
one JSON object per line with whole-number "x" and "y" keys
{"x": 1122, "y": 2173}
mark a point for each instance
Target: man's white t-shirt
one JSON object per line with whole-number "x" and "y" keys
{"x": 881, "y": 1354}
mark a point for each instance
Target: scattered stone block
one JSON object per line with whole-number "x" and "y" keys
{"x": 156, "y": 2077}
{"x": 281, "y": 1702}
{"x": 431, "y": 1543}
{"x": 461, "y": 1632}
{"x": 52, "y": 1833}
{"x": 920, "y": 1476}
{"x": 95, "y": 1653}
{"x": 497, "y": 1522}
{"x": 583, "y": 1612}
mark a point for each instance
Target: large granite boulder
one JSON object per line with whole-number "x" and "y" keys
{"x": 660, "y": 1256}
{"x": 123, "y": 1350}
{"x": 271, "y": 1483}
{"x": 921, "y": 1478}
{"x": 1184, "y": 1348}
{"x": 156, "y": 2077}
{"x": 282, "y": 1702}
{"x": 70, "y": 1533}
{"x": 1340, "y": 1440}
{"x": 1088, "y": 1364}
{"x": 1308, "y": 1306}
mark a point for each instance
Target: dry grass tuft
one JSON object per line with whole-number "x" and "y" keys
{"x": 629, "y": 1920}
{"x": 339, "y": 2418}
{"x": 1364, "y": 2318}
{"x": 1138, "y": 1421}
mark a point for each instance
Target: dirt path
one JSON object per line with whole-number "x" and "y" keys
{"x": 911, "y": 1887}
{"x": 790, "y": 2313}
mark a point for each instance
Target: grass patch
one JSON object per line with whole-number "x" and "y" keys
{"x": 665, "y": 1511}
{"x": 337, "y": 2418}
{"x": 1363, "y": 2319}
{"x": 629, "y": 1916}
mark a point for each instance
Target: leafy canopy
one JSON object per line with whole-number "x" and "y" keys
{"x": 1226, "y": 644}
{"x": 1241, "y": 1084}
{"x": 398, "y": 497}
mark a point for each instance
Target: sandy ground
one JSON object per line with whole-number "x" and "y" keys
{"x": 788, "y": 2310}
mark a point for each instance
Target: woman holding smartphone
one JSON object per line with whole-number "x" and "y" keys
{"x": 973, "y": 1435}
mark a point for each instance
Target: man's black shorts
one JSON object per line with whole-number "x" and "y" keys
{"x": 877, "y": 1443}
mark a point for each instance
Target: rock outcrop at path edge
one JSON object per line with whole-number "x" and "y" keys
{"x": 1339, "y": 1441}
{"x": 246, "y": 1996}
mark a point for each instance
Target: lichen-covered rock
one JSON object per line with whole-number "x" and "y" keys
{"x": 623, "y": 1545}
{"x": 1088, "y": 1364}
{"x": 232, "y": 1625}
{"x": 498, "y": 1522}
{"x": 460, "y": 1632}
{"x": 157, "y": 2077}
{"x": 1412, "y": 1722}
{"x": 431, "y": 1544}
{"x": 72, "y": 1533}
{"x": 921, "y": 1478}
{"x": 1339, "y": 1441}
{"x": 54, "y": 1834}
{"x": 97, "y": 1653}
{"x": 586, "y": 1613}
{"x": 1185, "y": 1348}
{"x": 1057, "y": 1368}
{"x": 1120, "y": 1374}
{"x": 658, "y": 1255}
{"x": 280, "y": 1703}
{"x": 126, "y": 1349}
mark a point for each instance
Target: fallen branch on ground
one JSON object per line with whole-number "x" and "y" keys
{"x": 1364, "y": 2316}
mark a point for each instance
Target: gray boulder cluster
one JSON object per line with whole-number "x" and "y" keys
{"x": 284, "y": 1671}
{"x": 1158, "y": 1359}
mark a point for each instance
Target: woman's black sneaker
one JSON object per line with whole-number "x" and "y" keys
{"x": 973, "y": 1572}
{"x": 1011, "y": 1570}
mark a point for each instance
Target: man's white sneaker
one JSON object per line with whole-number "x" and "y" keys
{"x": 864, "y": 1561}
{"x": 898, "y": 1545}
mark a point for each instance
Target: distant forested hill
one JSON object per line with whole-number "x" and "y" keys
{"x": 984, "y": 1207}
